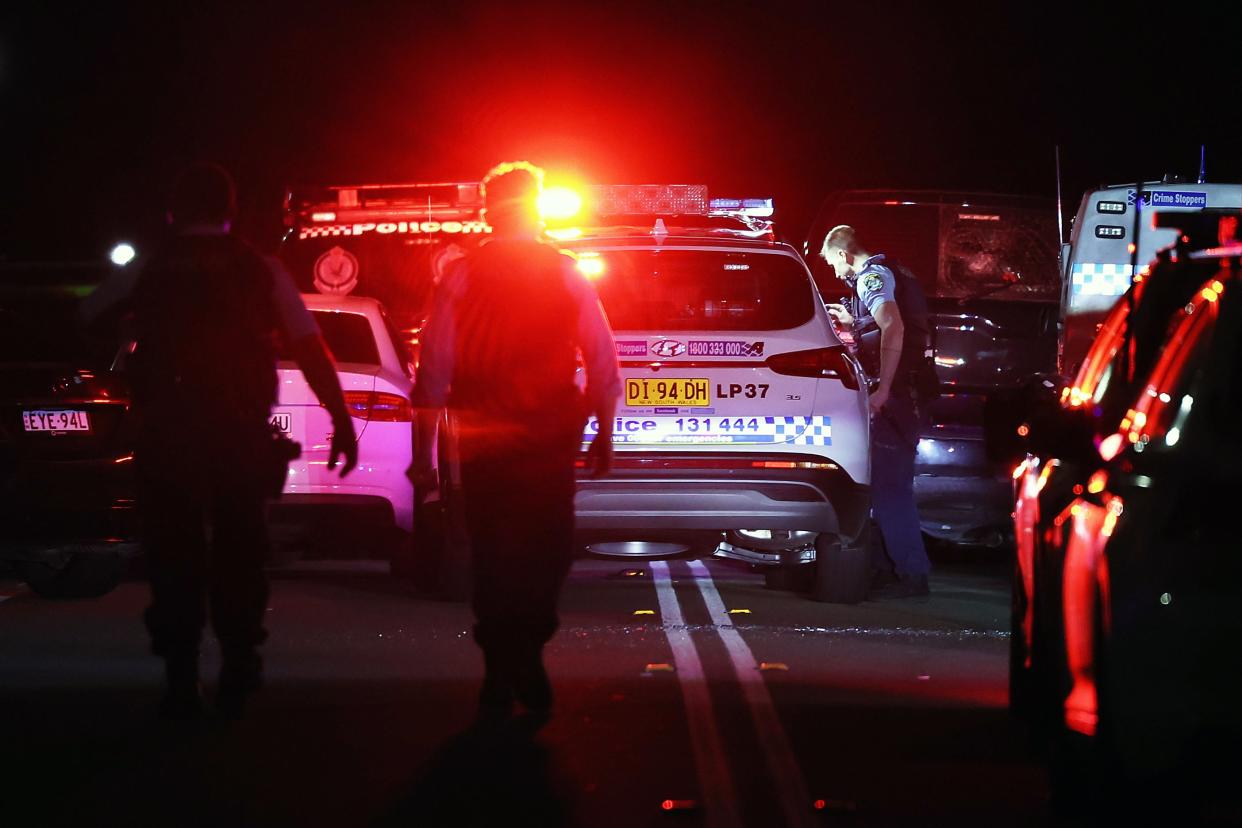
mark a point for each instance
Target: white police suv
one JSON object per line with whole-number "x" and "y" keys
{"x": 743, "y": 425}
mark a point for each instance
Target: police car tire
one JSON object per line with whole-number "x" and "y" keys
{"x": 842, "y": 570}
{"x": 88, "y": 573}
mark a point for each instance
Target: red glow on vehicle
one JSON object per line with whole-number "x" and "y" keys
{"x": 1086, "y": 611}
{"x": 1151, "y": 410}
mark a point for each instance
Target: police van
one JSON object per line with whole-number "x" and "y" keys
{"x": 384, "y": 241}
{"x": 1110, "y": 233}
{"x": 743, "y": 426}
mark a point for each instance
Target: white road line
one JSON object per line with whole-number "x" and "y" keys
{"x": 782, "y": 764}
{"x": 715, "y": 778}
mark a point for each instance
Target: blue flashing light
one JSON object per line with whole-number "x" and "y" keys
{"x": 752, "y": 207}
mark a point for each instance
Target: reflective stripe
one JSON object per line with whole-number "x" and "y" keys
{"x": 711, "y": 428}
{"x": 1092, "y": 279}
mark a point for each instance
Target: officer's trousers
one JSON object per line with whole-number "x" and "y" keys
{"x": 519, "y": 508}
{"x": 894, "y": 442}
{"x": 205, "y": 542}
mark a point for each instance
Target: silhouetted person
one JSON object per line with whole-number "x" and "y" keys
{"x": 207, "y": 312}
{"x": 500, "y": 351}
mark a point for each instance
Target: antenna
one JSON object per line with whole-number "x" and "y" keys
{"x": 1202, "y": 164}
{"x": 1127, "y": 342}
{"x": 1060, "y": 209}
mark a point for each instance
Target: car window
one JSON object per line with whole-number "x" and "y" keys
{"x": 1161, "y": 410}
{"x": 956, "y": 251}
{"x": 396, "y": 270}
{"x": 35, "y": 331}
{"x": 1093, "y": 380}
{"x": 348, "y": 336}
{"x": 701, "y": 290}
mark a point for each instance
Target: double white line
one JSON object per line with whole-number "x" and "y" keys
{"x": 715, "y": 776}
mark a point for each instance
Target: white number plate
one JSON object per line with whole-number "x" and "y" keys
{"x": 56, "y": 421}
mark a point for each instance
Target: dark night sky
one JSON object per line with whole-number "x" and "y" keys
{"x": 102, "y": 105}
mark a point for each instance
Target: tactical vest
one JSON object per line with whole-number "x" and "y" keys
{"x": 516, "y": 334}
{"x": 204, "y": 365}
{"x": 918, "y": 341}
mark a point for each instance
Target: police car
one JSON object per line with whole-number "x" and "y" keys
{"x": 743, "y": 426}
{"x": 374, "y": 370}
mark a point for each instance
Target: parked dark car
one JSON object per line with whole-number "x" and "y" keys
{"x": 1126, "y": 599}
{"x": 66, "y": 487}
{"x": 988, "y": 264}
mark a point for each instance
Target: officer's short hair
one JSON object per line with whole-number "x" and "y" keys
{"x": 203, "y": 193}
{"x": 840, "y": 237}
{"x": 511, "y": 190}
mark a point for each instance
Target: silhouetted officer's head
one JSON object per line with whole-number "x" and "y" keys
{"x": 202, "y": 194}
{"x": 511, "y": 196}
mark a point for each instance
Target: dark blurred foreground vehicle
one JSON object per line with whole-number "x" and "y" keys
{"x": 988, "y": 265}
{"x": 1128, "y": 585}
{"x": 66, "y": 492}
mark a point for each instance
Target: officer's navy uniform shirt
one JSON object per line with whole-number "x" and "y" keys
{"x": 439, "y": 338}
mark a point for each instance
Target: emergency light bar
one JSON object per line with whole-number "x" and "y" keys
{"x": 752, "y": 207}
{"x": 382, "y": 202}
{"x": 648, "y": 199}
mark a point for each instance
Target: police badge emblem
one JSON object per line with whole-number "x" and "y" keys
{"x": 872, "y": 282}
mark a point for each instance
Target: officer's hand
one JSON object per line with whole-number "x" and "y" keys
{"x": 839, "y": 314}
{"x": 344, "y": 446}
{"x": 877, "y": 399}
{"x": 599, "y": 455}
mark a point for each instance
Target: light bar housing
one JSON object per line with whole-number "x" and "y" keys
{"x": 648, "y": 200}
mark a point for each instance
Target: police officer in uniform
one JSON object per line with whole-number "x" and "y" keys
{"x": 898, "y": 309}
{"x": 499, "y": 350}
{"x": 207, "y": 312}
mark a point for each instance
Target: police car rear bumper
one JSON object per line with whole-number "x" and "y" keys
{"x": 719, "y": 492}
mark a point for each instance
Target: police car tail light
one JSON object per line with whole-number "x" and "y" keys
{"x": 378, "y": 407}
{"x": 828, "y": 362}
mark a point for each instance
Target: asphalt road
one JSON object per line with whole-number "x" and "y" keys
{"x": 678, "y": 683}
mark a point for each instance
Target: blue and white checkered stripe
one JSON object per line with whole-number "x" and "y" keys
{"x": 801, "y": 431}
{"x": 1092, "y": 279}
{"x": 711, "y": 429}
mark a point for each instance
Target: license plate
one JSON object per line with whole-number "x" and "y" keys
{"x": 683, "y": 392}
{"x": 56, "y": 421}
{"x": 282, "y": 420}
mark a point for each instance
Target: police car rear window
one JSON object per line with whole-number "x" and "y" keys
{"x": 699, "y": 290}
{"x": 348, "y": 336}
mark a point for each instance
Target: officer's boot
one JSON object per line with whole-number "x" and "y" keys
{"x": 183, "y": 697}
{"x": 496, "y": 695}
{"x": 534, "y": 689}
{"x": 241, "y": 673}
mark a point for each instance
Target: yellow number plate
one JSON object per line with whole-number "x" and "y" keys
{"x": 683, "y": 392}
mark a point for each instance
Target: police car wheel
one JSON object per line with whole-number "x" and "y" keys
{"x": 87, "y": 573}
{"x": 842, "y": 569}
